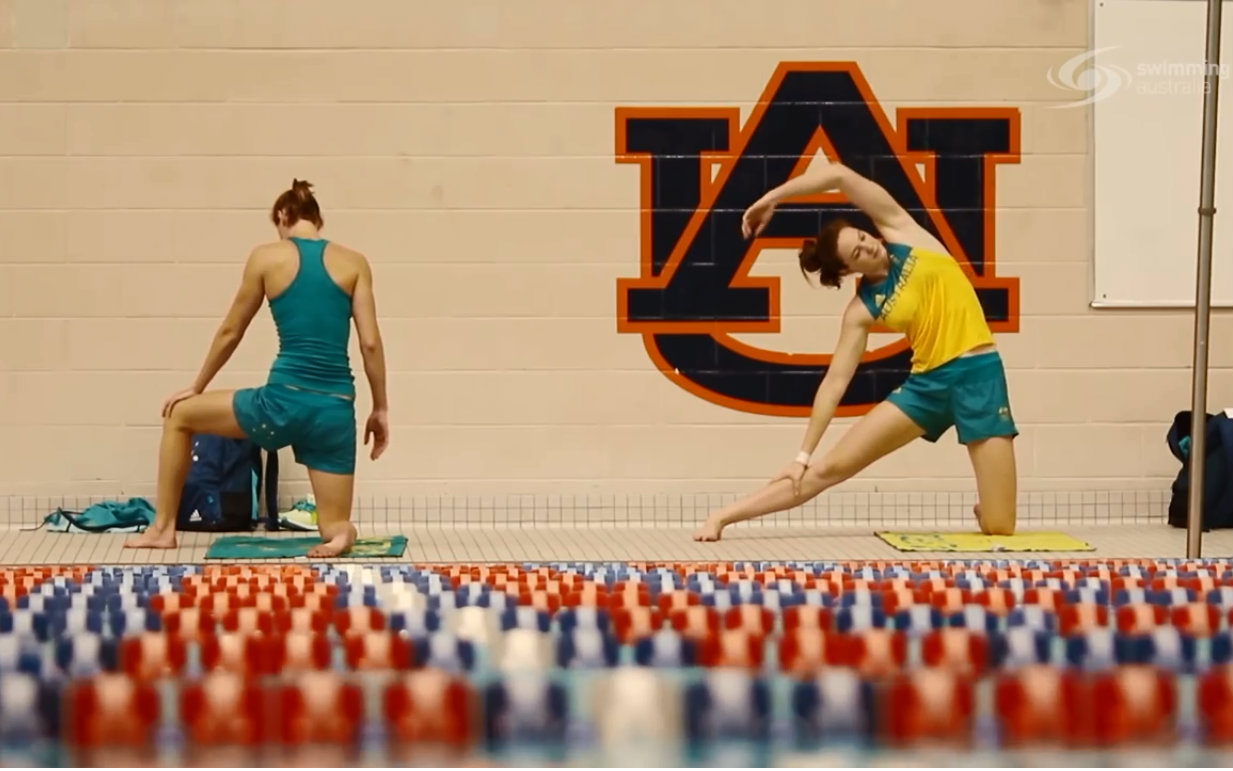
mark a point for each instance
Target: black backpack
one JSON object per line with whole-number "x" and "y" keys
{"x": 222, "y": 493}
{"x": 1217, "y": 473}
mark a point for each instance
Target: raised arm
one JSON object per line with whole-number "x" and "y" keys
{"x": 888, "y": 216}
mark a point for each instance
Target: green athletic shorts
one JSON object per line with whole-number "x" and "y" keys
{"x": 968, "y": 393}
{"x": 320, "y": 428}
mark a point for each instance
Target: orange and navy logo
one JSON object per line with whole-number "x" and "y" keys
{"x": 695, "y": 290}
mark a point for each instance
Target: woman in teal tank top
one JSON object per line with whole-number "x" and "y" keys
{"x": 316, "y": 289}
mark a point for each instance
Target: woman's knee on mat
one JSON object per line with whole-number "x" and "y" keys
{"x": 996, "y": 520}
{"x": 332, "y": 493}
{"x": 993, "y": 461}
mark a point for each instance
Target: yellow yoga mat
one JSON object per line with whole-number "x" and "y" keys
{"x": 979, "y": 542}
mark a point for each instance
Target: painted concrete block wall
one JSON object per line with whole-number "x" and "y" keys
{"x": 472, "y": 151}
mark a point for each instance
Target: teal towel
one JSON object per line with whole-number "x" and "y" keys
{"x": 132, "y": 516}
{"x": 255, "y": 547}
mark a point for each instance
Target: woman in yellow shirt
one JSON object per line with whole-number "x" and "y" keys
{"x": 909, "y": 283}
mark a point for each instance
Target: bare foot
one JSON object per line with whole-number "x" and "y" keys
{"x": 979, "y": 525}
{"x": 153, "y": 539}
{"x": 336, "y": 546}
{"x": 710, "y": 531}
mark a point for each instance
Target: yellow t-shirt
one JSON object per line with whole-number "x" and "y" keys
{"x": 928, "y": 298}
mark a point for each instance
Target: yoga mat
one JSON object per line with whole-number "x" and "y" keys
{"x": 255, "y": 547}
{"x": 979, "y": 542}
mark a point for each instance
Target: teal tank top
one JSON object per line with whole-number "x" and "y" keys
{"x": 313, "y": 319}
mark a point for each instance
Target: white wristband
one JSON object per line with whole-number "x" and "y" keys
{"x": 802, "y": 458}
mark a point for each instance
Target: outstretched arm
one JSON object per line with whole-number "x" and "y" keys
{"x": 776, "y": 496}
{"x": 231, "y": 331}
{"x": 890, "y": 218}
{"x": 853, "y": 336}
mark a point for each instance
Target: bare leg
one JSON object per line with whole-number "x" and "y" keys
{"x": 207, "y": 413}
{"x": 882, "y": 431}
{"x": 993, "y": 461}
{"x": 333, "y": 495}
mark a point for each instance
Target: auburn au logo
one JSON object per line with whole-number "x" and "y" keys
{"x": 695, "y": 290}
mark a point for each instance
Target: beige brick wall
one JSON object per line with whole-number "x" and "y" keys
{"x": 468, "y": 149}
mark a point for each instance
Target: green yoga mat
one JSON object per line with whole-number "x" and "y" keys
{"x": 255, "y": 547}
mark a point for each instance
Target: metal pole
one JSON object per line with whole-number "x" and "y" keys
{"x": 1203, "y": 288}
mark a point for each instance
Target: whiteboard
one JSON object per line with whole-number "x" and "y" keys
{"x": 1146, "y": 96}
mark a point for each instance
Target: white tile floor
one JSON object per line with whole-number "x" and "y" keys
{"x": 581, "y": 543}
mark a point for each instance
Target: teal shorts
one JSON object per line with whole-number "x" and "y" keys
{"x": 319, "y": 428}
{"x": 968, "y": 393}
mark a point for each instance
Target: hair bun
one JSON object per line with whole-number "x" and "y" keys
{"x": 296, "y": 204}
